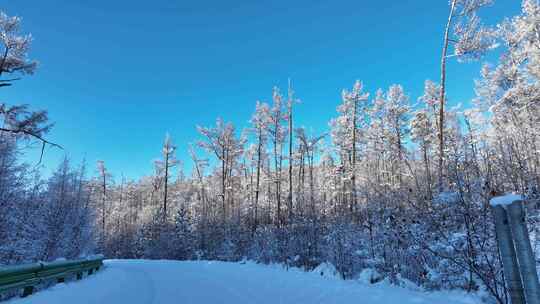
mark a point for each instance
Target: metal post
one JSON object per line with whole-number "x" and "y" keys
{"x": 508, "y": 256}
{"x": 28, "y": 290}
{"x": 527, "y": 263}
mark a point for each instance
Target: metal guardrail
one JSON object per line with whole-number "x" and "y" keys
{"x": 519, "y": 265}
{"x": 27, "y": 276}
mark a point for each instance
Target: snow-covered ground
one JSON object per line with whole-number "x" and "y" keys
{"x": 203, "y": 282}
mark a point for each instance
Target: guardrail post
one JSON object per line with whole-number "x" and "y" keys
{"x": 508, "y": 255}
{"x": 525, "y": 255}
{"x": 28, "y": 290}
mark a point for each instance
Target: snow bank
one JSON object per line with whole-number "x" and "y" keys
{"x": 369, "y": 276}
{"x": 505, "y": 200}
{"x": 327, "y": 270}
{"x": 202, "y": 282}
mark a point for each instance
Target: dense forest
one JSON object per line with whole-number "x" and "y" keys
{"x": 396, "y": 188}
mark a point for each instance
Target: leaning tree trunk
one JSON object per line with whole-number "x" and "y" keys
{"x": 443, "y": 93}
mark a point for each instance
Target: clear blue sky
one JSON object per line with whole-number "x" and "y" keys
{"x": 117, "y": 75}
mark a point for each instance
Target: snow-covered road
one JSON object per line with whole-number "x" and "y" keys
{"x": 202, "y": 282}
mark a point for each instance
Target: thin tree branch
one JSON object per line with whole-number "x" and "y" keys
{"x": 36, "y": 136}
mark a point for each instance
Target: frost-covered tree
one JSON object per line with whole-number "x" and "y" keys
{"x": 169, "y": 161}
{"x": 183, "y": 237}
{"x": 309, "y": 147}
{"x": 291, "y": 100}
{"x": 68, "y": 215}
{"x": 221, "y": 140}
{"x": 421, "y": 134}
{"x": 15, "y": 48}
{"x": 345, "y": 131}
{"x": 277, "y": 133}
{"x": 395, "y": 108}
{"x": 103, "y": 181}
{"x": 260, "y": 121}
{"x": 18, "y": 119}
{"x": 469, "y": 40}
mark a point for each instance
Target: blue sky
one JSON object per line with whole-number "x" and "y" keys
{"x": 115, "y": 76}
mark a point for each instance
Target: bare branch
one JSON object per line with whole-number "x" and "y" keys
{"x": 36, "y": 136}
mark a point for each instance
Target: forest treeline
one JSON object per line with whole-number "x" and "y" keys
{"x": 398, "y": 190}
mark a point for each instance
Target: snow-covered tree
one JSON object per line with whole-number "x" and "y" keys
{"x": 169, "y": 161}
{"x": 345, "y": 131}
{"x": 221, "y": 140}
{"x": 18, "y": 119}
{"x": 277, "y": 133}
{"x": 260, "y": 121}
{"x": 469, "y": 40}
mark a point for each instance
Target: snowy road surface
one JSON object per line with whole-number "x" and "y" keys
{"x": 203, "y": 282}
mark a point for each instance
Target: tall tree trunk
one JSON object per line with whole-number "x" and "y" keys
{"x": 166, "y": 185}
{"x": 400, "y": 154}
{"x": 223, "y": 177}
{"x": 443, "y": 93}
{"x": 426, "y": 168}
{"x": 104, "y": 187}
{"x": 290, "y": 198}
{"x": 277, "y": 168}
{"x": 353, "y": 165}
{"x": 258, "y": 178}
{"x": 311, "y": 183}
